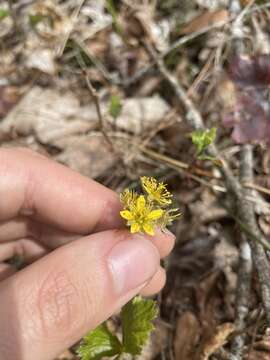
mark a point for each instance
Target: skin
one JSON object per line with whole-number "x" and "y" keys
{"x": 83, "y": 265}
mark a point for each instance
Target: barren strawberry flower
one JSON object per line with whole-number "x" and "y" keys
{"x": 144, "y": 212}
{"x": 141, "y": 217}
{"x": 156, "y": 191}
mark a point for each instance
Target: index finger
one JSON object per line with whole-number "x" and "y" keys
{"x": 33, "y": 185}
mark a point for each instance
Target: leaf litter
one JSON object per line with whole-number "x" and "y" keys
{"x": 45, "y": 105}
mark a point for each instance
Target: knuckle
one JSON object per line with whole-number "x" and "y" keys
{"x": 58, "y": 304}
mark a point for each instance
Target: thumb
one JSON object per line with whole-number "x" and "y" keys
{"x": 52, "y": 303}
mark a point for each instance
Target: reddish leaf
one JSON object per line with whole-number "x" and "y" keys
{"x": 250, "y": 71}
{"x": 250, "y": 114}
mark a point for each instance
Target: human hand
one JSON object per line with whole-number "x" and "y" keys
{"x": 70, "y": 286}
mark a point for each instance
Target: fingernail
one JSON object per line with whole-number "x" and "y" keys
{"x": 169, "y": 233}
{"x": 132, "y": 263}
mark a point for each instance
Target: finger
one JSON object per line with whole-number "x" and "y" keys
{"x": 50, "y": 237}
{"x": 26, "y": 249}
{"x": 164, "y": 241}
{"x": 56, "y": 300}
{"x": 16, "y": 229}
{"x": 156, "y": 284}
{"x": 48, "y": 191}
{"x": 6, "y": 270}
{"x": 25, "y": 227}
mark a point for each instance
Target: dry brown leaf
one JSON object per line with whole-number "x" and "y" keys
{"x": 42, "y": 60}
{"x": 9, "y": 95}
{"x": 156, "y": 344}
{"x": 264, "y": 343}
{"x": 50, "y": 115}
{"x": 142, "y": 23}
{"x": 207, "y": 301}
{"x": 186, "y": 336}
{"x": 139, "y": 114}
{"x": 218, "y": 338}
{"x": 90, "y": 154}
{"x": 206, "y": 19}
{"x": 257, "y": 355}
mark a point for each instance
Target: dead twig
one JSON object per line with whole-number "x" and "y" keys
{"x": 250, "y": 185}
{"x": 244, "y": 271}
{"x": 95, "y": 99}
{"x": 246, "y": 174}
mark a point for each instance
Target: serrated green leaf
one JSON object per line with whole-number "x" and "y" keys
{"x": 99, "y": 343}
{"x": 3, "y": 14}
{"x": 115, "y": 106}
{"x": 137, "y": 316}
{"x": 203, "y": 138}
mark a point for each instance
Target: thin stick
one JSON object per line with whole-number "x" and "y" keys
{"x": 246, "y": 174}
{"x": 244, "y": 270}
{"x": 95, "y": 99}
{"x": 75, "y": 15}
{"x": 250, "y": 185}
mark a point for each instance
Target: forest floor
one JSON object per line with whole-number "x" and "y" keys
{"x": 157, "y": 71}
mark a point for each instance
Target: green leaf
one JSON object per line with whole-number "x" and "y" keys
{"x": 3, "y": 14}
{"x": 99, "y": 343}
{"x": 203, "y": 138}
{"x": 115, "y": 106}
{"x": 137, "y": 316}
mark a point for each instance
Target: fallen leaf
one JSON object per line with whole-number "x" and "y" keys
{"x": 186, "y": 336}
{"x": 140, "y": 114}
{"x": 257, "y": 355}
{"x": 218, "y": 338}
{"x": 250, "y": 70}
{"x": 249, "y": 118}
{"x": 90, "y": 155}
{"x": 9, "y": 96}
{"x": 157, "y": 342}
{"x": 249, "y": 113}
{"x": 50, "y": 115}
{"x": 204, "y": 20}
{"x": 42, "y": 60}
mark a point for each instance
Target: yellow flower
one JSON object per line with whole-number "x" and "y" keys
{"x": 141, "y": 217}
{"x": 156, "y": 191}
{"x": 128, "y": 197}
{"x": 168, "y": 217}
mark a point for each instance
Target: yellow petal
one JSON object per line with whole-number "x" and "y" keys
{"x": 126, "y": 214}
{"x": 155, "y": 214}
{"x": 140, "y": 203}
{"x": 148, "y": 228}
{"x": 135, "y": 227}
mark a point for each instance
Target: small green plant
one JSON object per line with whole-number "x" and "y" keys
{"x": 202, "y": 139}
{"x": 3, "y": 14}
{"x": 143, "y": 212}
{"x": 115, "y": 106}
{"x": 136, "y": 319}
